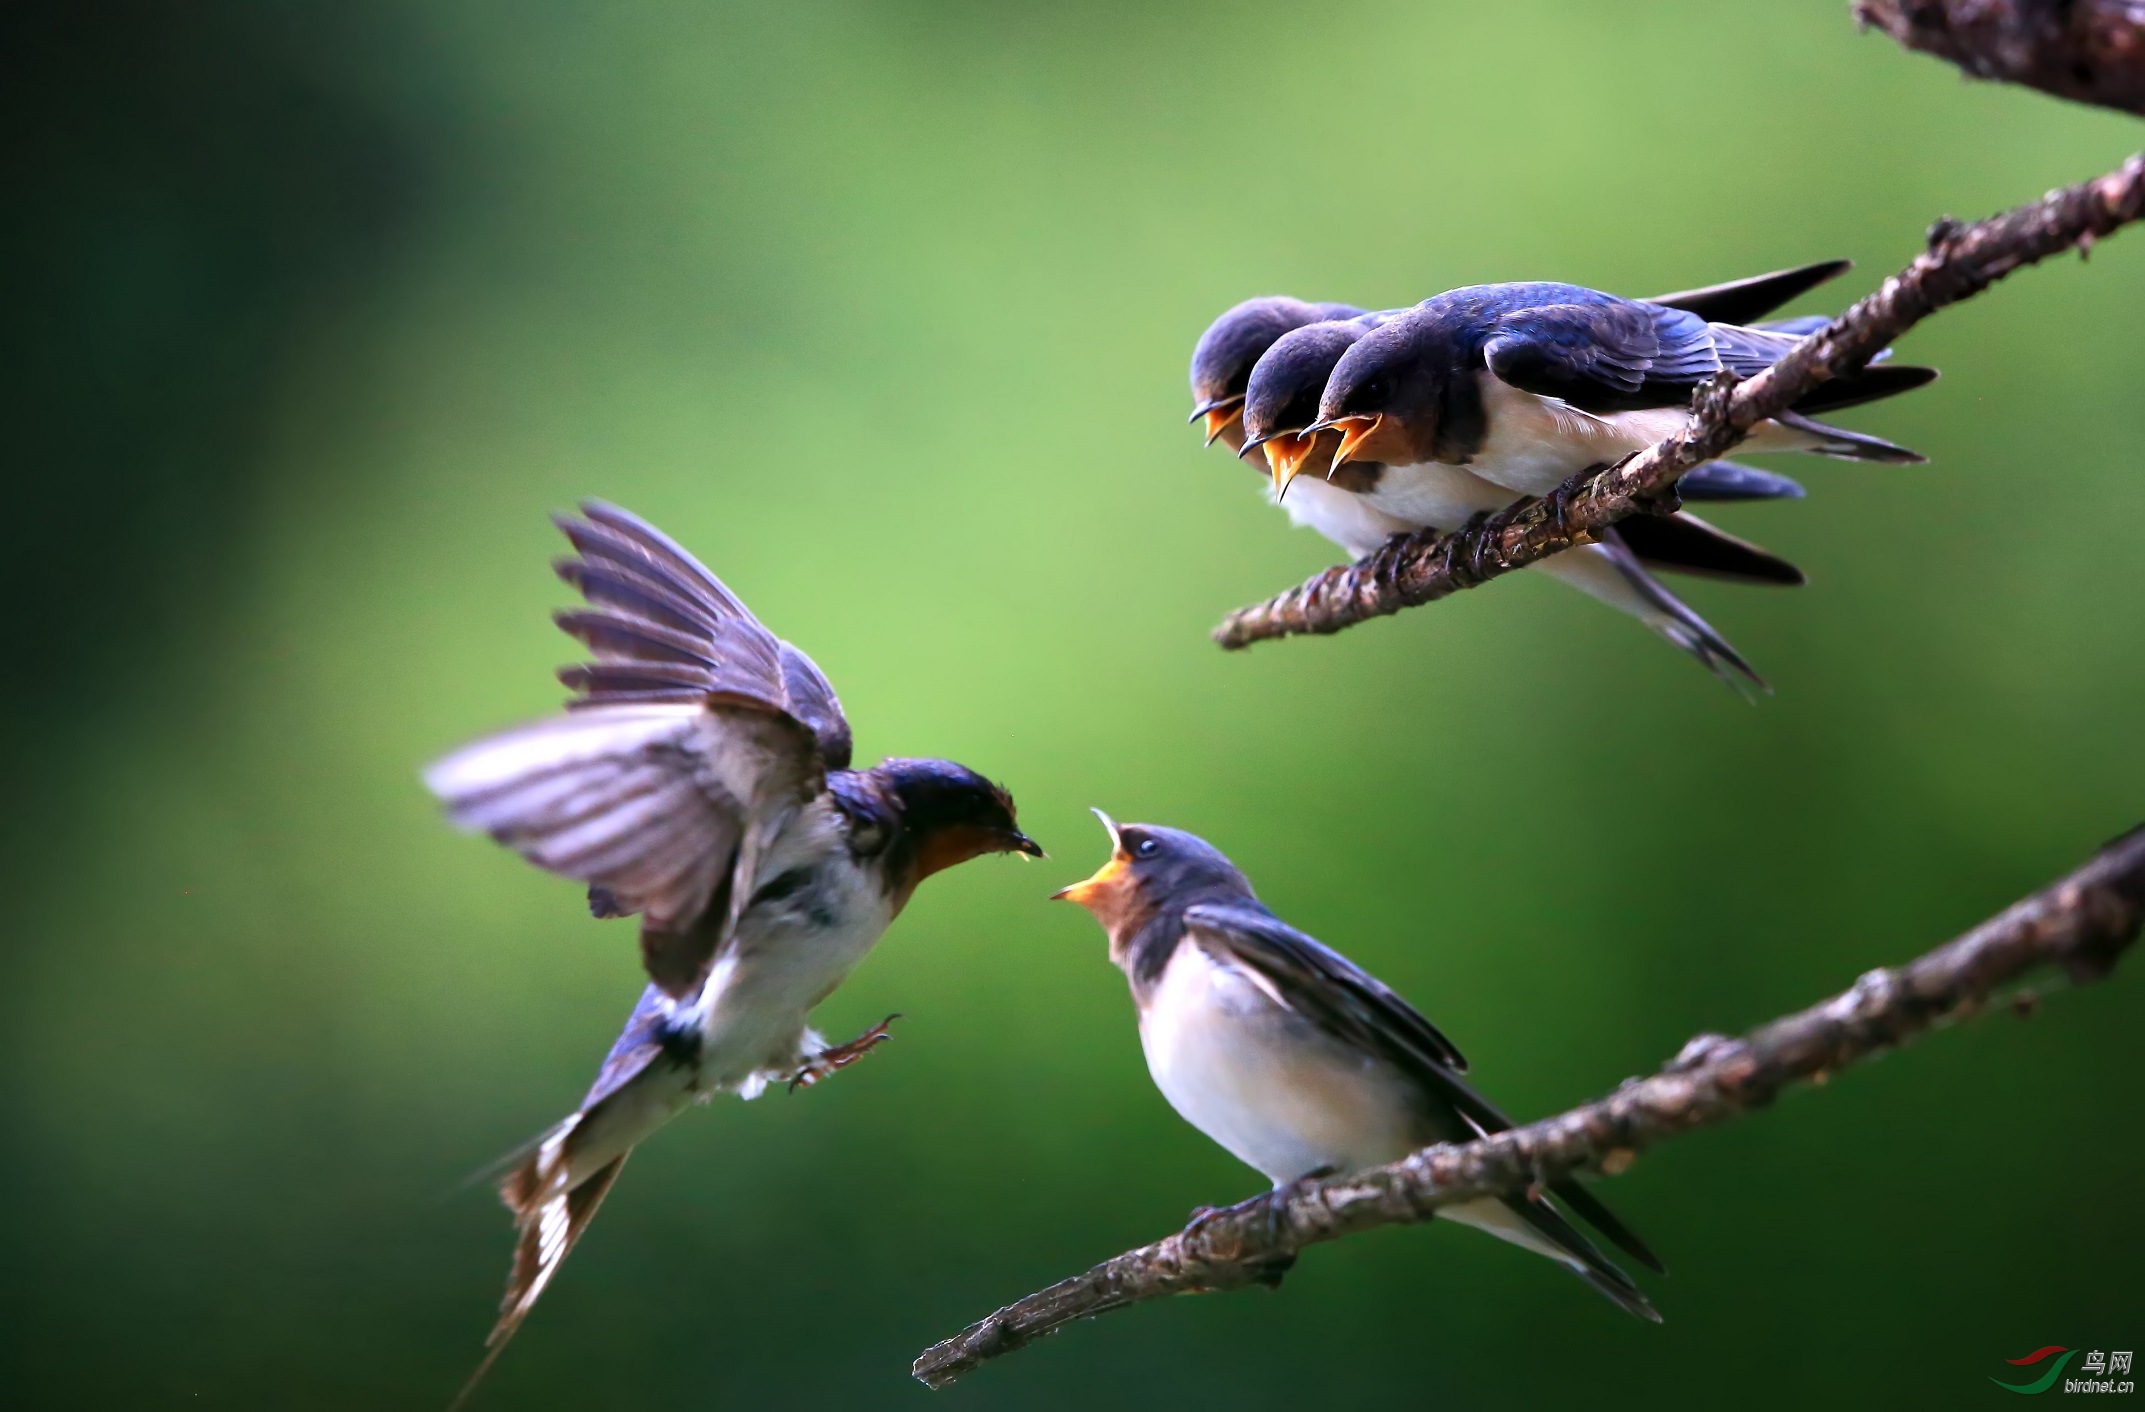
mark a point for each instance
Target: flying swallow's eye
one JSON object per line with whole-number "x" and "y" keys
{"x": 1146, "y": 848}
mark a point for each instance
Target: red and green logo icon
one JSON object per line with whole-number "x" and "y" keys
{"x": 2047, "y": 1380}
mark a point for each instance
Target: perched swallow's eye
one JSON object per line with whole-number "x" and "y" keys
{"x": 1373, "y": 392}
{"x": 1146, "y": 848}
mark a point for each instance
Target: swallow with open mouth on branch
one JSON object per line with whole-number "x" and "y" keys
{"x": 1260, "y": 370}
{"x": 1296, "y": 1060}
{"x": 1232, "y": 346}
{"x": 1526, "y": 385}
{"x": 1281, "y": 401}
{"x": 701, "y": 779}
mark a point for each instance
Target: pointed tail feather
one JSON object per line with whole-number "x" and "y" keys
{"x": 1539, "y": 1226}
{"x": 549, "y": 1222}
{"x": 1740, "y": 301}
{"x": 1642, "y": 596}
{"x": 1685, "y": 544}
{"x": 1583, "y": 1257}
{"x": 1596, "y": 1213}
{"x": 1872, "y": 384}
{"x": 1732, "y": 480}
{"x": 1823, "y": 439}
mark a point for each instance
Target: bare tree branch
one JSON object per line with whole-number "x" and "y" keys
{"x": 2089, "y": 50}
{"x": 1960, "y": 262}
{"x": 2082, "y": 924}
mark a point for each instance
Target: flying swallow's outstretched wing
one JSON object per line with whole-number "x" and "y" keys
{"x": 694, "y": 733}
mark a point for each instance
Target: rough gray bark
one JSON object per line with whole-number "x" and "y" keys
{"x": 2089, "y": 50}
{"x": 1960, "y": 261}
{"x": 2081, "y": 924}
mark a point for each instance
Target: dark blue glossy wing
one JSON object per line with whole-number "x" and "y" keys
{"x": 1326, "y": 987}
{"x": 1604, "y": 355}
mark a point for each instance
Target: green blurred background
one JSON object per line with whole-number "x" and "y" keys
{"x": 884, "y": 310}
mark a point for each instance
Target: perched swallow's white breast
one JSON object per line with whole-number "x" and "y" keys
{"x": 1352, "y": 521}
{"x": 1431, "y": 494}
{"x": 1533, "y": 443}
{"x": 1264, "y": 1083}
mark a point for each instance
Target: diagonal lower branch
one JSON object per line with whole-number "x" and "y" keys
{"x": 1960, "y": 262}
{"x": 2082, "y": 924}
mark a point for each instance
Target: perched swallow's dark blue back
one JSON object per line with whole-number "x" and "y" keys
{"x": 1475, "y": 313}
{"x": 1595, "y": 350}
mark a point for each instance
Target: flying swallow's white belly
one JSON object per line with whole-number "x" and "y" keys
{"x": 787, "y": 956}
{"x": 1269, "y": 1087}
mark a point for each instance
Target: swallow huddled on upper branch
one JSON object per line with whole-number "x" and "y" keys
{"x": 1296, "y": 1060}
{"x": 1264, "y": 375}
{"x": 701, "y": 779}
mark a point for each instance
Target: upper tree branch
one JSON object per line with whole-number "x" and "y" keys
{"x": 2082, "y": 924}
{"x": 1960, "y": 262}
{"x": 2090, "y": 50}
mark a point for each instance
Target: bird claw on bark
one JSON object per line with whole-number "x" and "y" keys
{"x": 841, "y": 1056}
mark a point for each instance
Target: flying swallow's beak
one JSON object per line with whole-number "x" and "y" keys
{"x": 1354, "y": 432}
{"x": 1285, "y": 456}
{"x": 1025, "y": 846}
{"x": 1085, "y": 891}
{"x": 1219, "y": 415}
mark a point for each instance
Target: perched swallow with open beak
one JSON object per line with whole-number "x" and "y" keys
{"x": 1222, "y": 363}
{"x": 1296, "y": 1060}
{"x": 1281, "y": 400}
{"x": 1527, "y": 384}
{"x": 1223, "y": 360}
{"x": 700, "y": 778}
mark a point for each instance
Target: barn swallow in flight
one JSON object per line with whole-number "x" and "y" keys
{"x": 700, "y": 778}
{"x": 1527, "y": 384}
{"x": 1296, "y": 1060}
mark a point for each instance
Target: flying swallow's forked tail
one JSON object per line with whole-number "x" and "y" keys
{"x": 1610, "y": 573}
{"x": 553, "y": 1190}
{"x": 549, "y": 1217}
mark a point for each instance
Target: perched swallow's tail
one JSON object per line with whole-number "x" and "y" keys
{"x": 1732, "y": 480}
{"x": 1740, "y": 301}
{"x": 1610, "y": 573}
{"x": 1823, "y": 439}
{"x": 1540, "y": 1227}
{"x": 1580, "y": 1255}
{"x": 549, "y": 1218}
{"x": 1872, "y": 384}
{"x": 1685, "y": 544}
